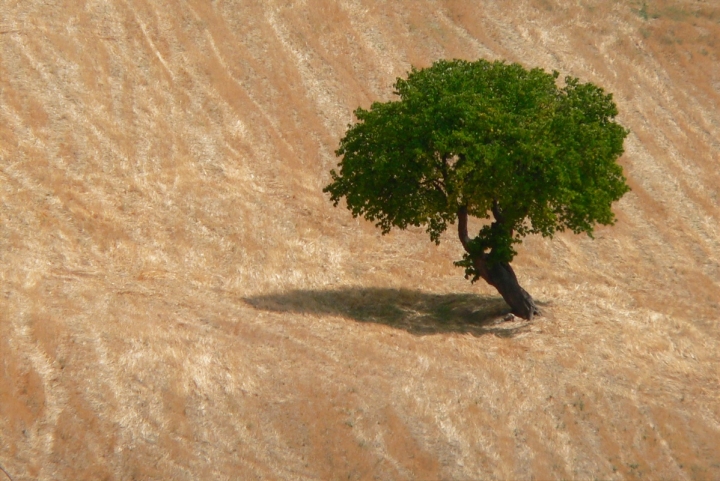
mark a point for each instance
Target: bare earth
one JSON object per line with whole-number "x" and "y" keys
{"x": 179, "y": 300}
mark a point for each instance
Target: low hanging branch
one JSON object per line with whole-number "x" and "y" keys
{"x": 490, "y": 140}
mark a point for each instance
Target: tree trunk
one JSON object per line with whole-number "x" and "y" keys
{"x": 499, "y": 275}
{"x": 502, "y": 278}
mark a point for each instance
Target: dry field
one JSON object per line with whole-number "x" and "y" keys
{"x": 179, "y": 300}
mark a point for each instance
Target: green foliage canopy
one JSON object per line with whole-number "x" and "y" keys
{"x": 490, "y": 137}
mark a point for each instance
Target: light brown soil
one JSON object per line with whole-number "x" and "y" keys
{"x": 178, "y": 299}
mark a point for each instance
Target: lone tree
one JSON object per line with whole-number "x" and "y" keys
{"x": 485, "y": 139}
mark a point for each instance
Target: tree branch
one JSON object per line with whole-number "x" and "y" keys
{"x": 500, "y": 219}
{"x": 444, "y": 168}
{"x": 497, "y": 212}
{"x": 463, "y": 227}
{"x": 435, "y": 185}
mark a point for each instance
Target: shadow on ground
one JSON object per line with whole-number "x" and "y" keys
{"x": 417, "y": 312}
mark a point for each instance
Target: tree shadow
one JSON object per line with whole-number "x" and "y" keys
{"x": 417, "y": 312}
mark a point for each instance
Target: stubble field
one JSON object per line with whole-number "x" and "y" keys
{"x": 179, "y": 300}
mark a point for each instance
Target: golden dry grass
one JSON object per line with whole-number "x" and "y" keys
{"x": 178, "y": 300}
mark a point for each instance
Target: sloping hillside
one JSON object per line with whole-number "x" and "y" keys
{"x": 179, "y": 300}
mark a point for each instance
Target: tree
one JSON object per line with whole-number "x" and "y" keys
{"x": 485, "y": 139}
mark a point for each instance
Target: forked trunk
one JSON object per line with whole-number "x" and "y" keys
{"x": 499, "y": 275}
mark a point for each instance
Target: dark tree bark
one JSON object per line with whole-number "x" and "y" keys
{"x": 499, "y": 275}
